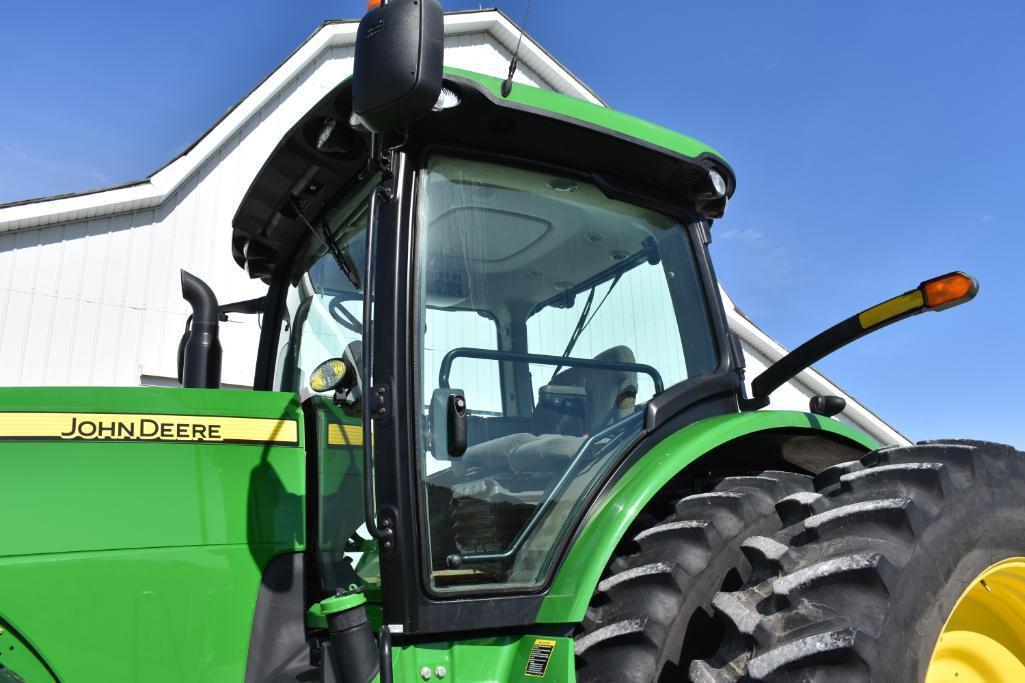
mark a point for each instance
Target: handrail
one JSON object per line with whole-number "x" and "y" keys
{"x": 541, "y": 359}
{"x": 369, "y": 281}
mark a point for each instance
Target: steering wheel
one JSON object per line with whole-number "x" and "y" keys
{"x": 342, "y": 316}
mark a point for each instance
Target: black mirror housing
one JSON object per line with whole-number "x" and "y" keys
{"x": 400, "y": 49}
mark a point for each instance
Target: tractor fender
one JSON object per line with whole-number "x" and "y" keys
{"x": 19, "y": 661}
{"x": 611, "y": 515}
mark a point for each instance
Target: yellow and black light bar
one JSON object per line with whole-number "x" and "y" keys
{"x": 936, "y": 294}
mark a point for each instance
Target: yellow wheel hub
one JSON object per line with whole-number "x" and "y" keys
{"x": 983, "y": 640}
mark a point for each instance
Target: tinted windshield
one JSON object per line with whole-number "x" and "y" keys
{"x": 555, "y": 313}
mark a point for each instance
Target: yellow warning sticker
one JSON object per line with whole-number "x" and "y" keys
{"x": 540, "y": 655}
{"x": 146, "y": 427}
{"x": 344, "y": 435}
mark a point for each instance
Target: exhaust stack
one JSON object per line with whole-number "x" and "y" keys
{"x": 199, "y": 353}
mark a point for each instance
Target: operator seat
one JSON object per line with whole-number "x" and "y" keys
{"x": 607, "y": 396}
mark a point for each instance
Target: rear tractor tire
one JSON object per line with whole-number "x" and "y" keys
{"x": 651, "y": 614}
{"x": 905, "y": 567}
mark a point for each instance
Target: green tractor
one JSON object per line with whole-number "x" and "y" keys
{"x": 499, "y": 431}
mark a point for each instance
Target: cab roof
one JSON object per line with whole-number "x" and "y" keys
{"x": 531, "y": 124}
{"x": 593, "y": 114}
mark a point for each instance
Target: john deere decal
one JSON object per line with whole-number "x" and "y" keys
{"x": 142, "y": 427}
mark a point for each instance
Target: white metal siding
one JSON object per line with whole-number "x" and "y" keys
{"x": 483, "y": 54}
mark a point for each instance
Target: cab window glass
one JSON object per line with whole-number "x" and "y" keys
{"x": 597, "y": 305}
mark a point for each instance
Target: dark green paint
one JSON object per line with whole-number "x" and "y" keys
{"x": 579, "y": 574}
{"x": 141, "y": 560}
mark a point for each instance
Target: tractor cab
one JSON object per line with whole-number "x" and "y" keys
{"x": 517, "y": 289}
{"x": 544, "y": 317}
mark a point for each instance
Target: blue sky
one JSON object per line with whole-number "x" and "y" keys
{"x": 876, "y": 144}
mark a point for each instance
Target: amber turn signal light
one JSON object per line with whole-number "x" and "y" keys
{"x": 371, "y": 4}
{"x": 936, "y": 294}
{"x": 948, "y": 290}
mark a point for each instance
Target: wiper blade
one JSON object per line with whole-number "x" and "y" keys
{"x": 584, "y": 320}
{"x": 344, "y": 260}
{"x": 340, "y": 254}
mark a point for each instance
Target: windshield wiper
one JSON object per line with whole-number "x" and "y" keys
{"x": 584, "y": 320}
{"x": 340, "y": 254}
{"x": 344, "y": 260}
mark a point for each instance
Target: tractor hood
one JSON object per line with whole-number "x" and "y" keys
{"x": 322, "y": 157}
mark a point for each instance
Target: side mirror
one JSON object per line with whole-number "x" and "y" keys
{"x": 400, "y": 49}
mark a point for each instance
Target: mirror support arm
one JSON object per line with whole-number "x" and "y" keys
{"x": 811, "y": 351}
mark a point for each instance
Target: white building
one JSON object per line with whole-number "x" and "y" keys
{"x": 89, "y": 286}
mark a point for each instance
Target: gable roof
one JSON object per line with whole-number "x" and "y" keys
{"x": 158, "y": 186}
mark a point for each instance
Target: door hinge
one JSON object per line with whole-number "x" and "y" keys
{"x": 380, "y": 402}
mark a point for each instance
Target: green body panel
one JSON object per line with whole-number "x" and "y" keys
{"x": 340, "y": 473}
{"x": 578, "y": 576}
{"x": 17, "y": 659}
{"x": 142, "y": 560}
{"x": 501, "y": 659}
{"x": 592, "y": 114}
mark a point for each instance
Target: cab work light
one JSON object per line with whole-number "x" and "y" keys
{"x": 710, "y": 194}
{"x": 937, "y": 294}
{"x": 328, "y": 375}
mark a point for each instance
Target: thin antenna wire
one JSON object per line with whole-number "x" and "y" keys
{"x": 507, "y": 83}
